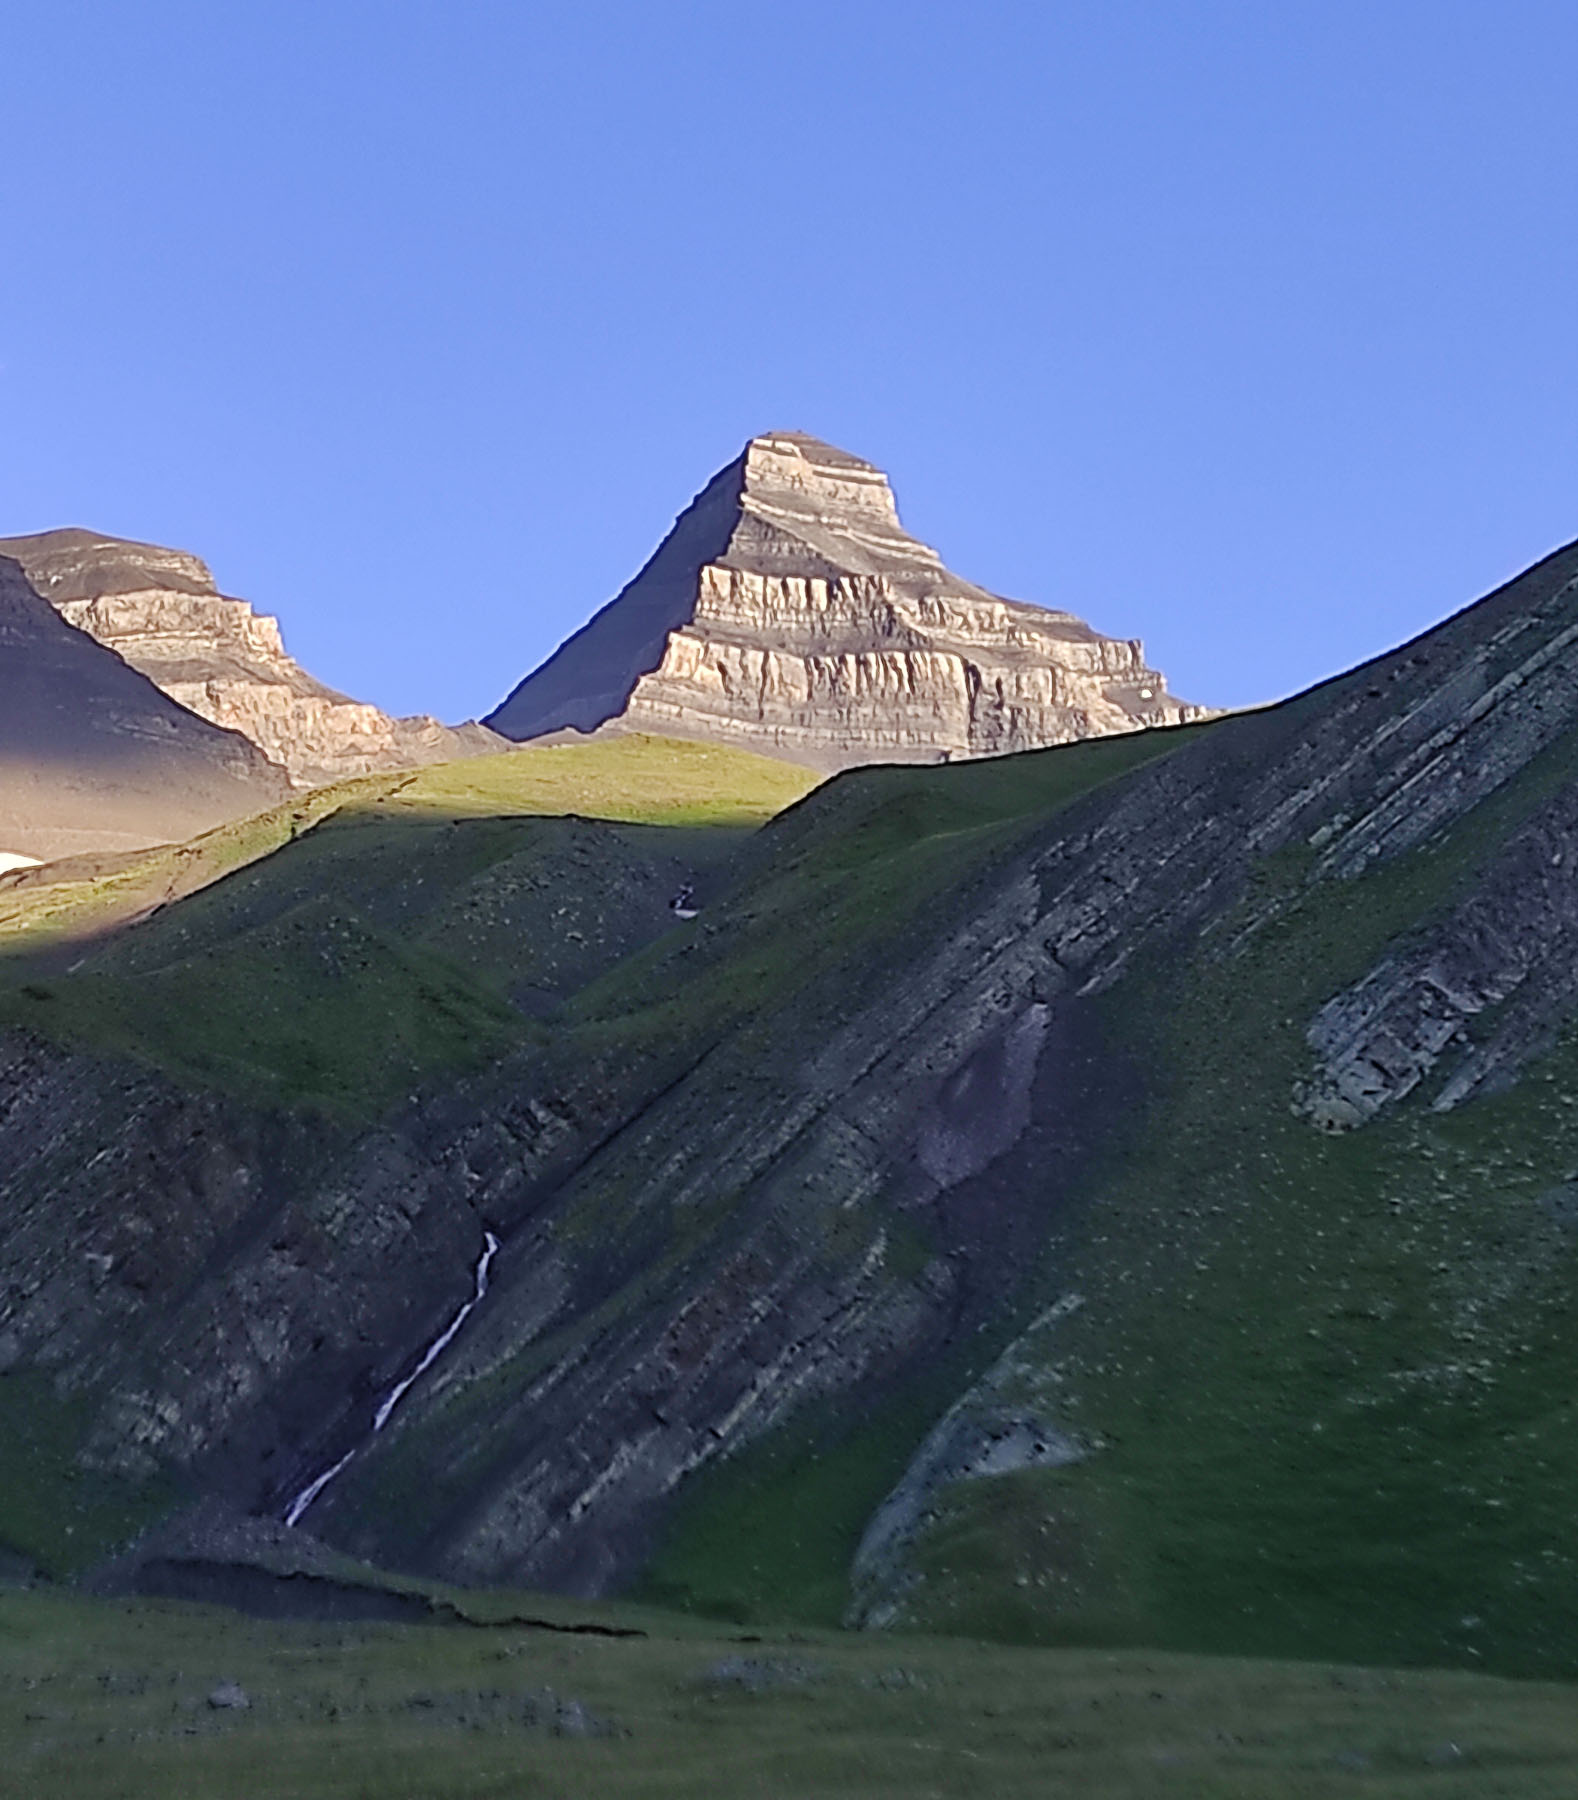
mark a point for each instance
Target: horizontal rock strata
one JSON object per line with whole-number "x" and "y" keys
{"x": 790, "y": 612}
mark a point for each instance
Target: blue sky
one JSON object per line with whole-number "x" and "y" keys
{"x": 1245, "y": 328}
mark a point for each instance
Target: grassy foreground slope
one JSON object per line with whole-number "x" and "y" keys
{"x": 100, "y": 1700}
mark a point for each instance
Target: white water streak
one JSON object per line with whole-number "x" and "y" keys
{"x": 442, "y": 1342}
{"x": 401, "y": 1388}
{"x": 313, "y": 1488}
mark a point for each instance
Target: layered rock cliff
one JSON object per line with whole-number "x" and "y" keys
{"x": 788, "y": 611}
{"x": 93, "y": 757}
{"x": 160, "y": 610}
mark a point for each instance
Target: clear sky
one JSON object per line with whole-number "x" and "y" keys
{"x": 1247, "y": 328}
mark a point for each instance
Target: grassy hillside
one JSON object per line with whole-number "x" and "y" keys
{"x": 631, "y": 780}
{"x": 401, "y": 930}
{"x": 386, "y": 931}
{"x": 1328, "y": 1379}
{"x": 113, "y": 1699}
{"x": 371, "y": 935}
{"x": 1322, "y": 1383}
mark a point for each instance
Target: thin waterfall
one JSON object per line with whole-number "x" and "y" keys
{"x": 400, "y": 1389}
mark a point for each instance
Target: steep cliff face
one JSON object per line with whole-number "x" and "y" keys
{"x": 789, "y": 611}
{"x": 93, "y": 757}
{"x": 160, "y": 610}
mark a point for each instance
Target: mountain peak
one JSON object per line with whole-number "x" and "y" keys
{"x": 795, "y": 465}
{"x": 789, "y": 611}
{"x": 809, "y": 508}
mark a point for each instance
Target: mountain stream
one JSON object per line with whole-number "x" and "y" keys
{"x": 400, "y": 1389}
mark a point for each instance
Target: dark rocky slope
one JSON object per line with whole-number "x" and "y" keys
{"x": 93, "y": 756}
{"x": 962, "y": 1205}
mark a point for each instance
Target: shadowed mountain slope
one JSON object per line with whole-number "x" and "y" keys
{"x": 93, "y": 756}
{"x": 160, "y": 610}
{"x": 1119, "y": 1193}
{"x": 788, "y": 611}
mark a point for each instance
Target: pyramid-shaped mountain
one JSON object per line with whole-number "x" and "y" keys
{"x": 93, "y": 757}
{"x": 789, "y": 611}
{"x": 162, "y": 612}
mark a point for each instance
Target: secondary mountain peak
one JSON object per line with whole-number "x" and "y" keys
{"x": 93, "y": 757}
{"x": 162, "y": 612}
{"x": 790, "y": 611}
{"x": 74, "y": 564}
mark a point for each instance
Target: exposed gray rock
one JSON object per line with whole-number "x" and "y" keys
{"x": 789, "y": 612}
{"x": 1512, "y": 946}
{"x": 160, "y": 610}
{"x": 983, "y": 1105}
{"x": 1004, "y": 1423}
{"x": 762, "y": 1674}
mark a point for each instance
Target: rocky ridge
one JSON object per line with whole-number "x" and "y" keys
{"x": 789, "y": 611}
{"x": 161, "y": 611}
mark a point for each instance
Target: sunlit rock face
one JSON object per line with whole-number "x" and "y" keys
{"x": 789, "y": 611}
{"x": 160, "y": 610}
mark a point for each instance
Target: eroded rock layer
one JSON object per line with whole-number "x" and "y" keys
{"x": 789, "y": 611}
{"x": 161, "y": 611}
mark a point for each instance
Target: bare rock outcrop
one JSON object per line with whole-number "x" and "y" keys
{"x": 160, "y": 610}
{"x": 93, "y": 757}
{"x": 789, "y": 611}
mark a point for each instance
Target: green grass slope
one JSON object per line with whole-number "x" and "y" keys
{"x": 1327, "y": 1381}
{"x": 1323, "y": 1383}
{"x": 393, "y": 930}
{"x": 379, "y": 933}
{"x": 631, "y": 780}
{"x": 100, "y": 1700}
